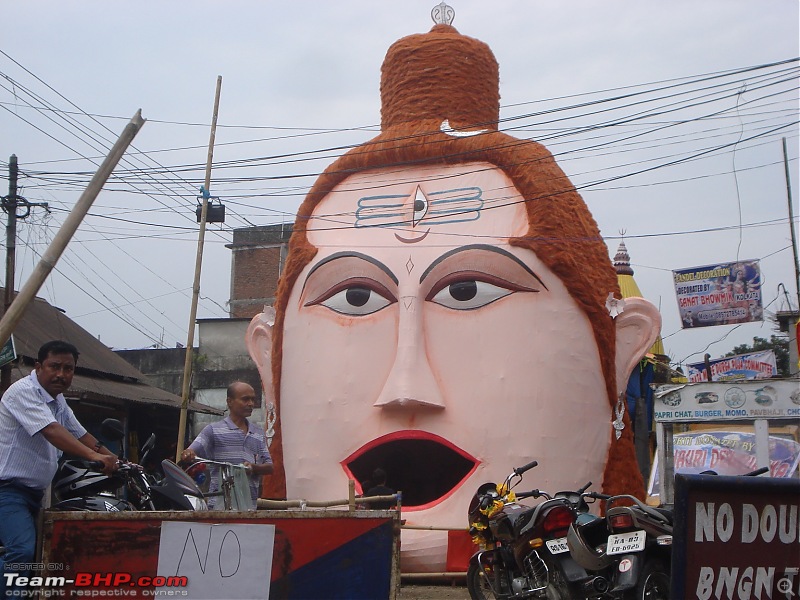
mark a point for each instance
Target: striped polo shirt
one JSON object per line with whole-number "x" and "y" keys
{"x": 225, "y": 442}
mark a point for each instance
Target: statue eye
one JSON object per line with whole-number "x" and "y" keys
{"x": 356, "y": 301}
{"x": 420, "y": 207}
{"x": 468, "y": 294}
{"x": 355, "y": 298}
{"x": 471, "y": 289}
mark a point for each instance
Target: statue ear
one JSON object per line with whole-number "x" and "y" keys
{"x": 637, "y": 327}
{"x": 259, "y": 344}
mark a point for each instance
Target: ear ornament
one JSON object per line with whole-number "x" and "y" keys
{"x": 614, "y": 306}
{"x": 619, "y": 412}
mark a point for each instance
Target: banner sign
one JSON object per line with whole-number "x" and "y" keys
{"x": 739, "y": 400}
{"x": 726, "y": 453}
{"x": 735, "y": 537}
{"x": 754, "y": 365}
{"x": 719, "y": 294}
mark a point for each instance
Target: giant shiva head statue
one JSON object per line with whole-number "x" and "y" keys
{"x": 443, "y": 311}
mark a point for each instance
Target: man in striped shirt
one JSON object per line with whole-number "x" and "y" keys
{"x": 235, "y": 440}
{"x": 36, "y": 427}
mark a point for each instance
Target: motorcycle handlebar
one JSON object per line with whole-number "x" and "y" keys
{"x": 528, "y": 467}
{"x": 756, "y": 472}
{"x": 533, "y": 494}
{"x": 750, "y": 474}
{"x": 584, "y": 488}
{"x": 597, "y": 496}
{"x": 198, "y": 460}
{"x": 97, "y": 465}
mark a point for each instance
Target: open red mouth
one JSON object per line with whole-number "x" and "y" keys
{"x": 426, "y": 468}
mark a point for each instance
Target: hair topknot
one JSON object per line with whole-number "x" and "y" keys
{"x": 440, "y": 75}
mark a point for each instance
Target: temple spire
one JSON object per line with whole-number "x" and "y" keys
{"x": 622, "y": 260}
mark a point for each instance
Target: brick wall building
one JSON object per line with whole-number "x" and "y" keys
{"x": 258, "y": 254}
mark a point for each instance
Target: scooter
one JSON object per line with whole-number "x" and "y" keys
{"x": 523, "y": 550}
{"x": 79, "y": 485}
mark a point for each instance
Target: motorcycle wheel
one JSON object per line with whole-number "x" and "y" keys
{"x": 558, "y": 590}
{"x": 477, "y": 586}
{"x": 654, "y": 582}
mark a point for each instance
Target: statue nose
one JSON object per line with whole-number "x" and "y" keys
{"x": 411, "y": 382}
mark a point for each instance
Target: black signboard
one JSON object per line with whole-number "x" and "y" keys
{"x": 736, "y": 537}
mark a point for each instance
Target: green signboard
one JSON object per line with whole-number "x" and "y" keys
{"x": 8, "y": 352}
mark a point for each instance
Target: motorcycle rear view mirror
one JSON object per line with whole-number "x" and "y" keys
{"x": 148, "y": 445}
{"x": 112, "y": 429}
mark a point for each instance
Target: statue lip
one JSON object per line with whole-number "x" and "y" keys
{"x": 425, "y": 467}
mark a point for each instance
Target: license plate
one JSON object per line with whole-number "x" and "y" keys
{"x": 558, "y": 545}
{"x": 620, "y": 543}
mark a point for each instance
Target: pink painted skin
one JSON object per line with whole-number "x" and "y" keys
{"x": 416, "y": 315}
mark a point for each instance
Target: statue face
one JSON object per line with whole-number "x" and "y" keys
{"x": 419, "y": 341}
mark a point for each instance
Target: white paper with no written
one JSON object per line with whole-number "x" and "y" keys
{"x": 219, "y": 560}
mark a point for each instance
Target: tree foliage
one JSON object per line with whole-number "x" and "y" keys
{"x": 779, "y": 344}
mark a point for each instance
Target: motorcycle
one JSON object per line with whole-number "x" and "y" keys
{"x": 79, "y": 485}
{"x": 523, "y": 550}
{"x": 634, "y": 542}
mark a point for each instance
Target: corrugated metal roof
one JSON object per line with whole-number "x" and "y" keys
{"x": 43, "y": 322}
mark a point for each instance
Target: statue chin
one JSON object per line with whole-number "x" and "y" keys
{"x": 423, "y": 551}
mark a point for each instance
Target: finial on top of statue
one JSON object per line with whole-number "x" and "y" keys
{"x": 443, "y": 14}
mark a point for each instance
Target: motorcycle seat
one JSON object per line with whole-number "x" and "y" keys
{"x": 666, "y": 512}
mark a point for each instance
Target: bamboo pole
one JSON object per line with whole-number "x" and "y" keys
{"x": 187, "y": 365}
{"x": 302, "y": 504}
{"x": 56, "y": 248}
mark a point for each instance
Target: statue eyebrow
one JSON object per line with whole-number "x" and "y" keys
{"x": 358, "y": 255}
{"x": 485, "y": 247}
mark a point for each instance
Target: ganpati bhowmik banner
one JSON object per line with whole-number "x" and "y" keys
{"x": 720, "y": 294}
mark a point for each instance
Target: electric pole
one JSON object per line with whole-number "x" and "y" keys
{"x": 10, "y": 206}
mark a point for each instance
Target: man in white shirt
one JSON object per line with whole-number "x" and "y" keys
{"x": 36, "y": 427}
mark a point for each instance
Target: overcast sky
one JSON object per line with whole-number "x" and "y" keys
{"x": 300, "y": 81}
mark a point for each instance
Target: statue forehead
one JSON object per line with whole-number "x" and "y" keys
{"x": 473, "y": 198}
